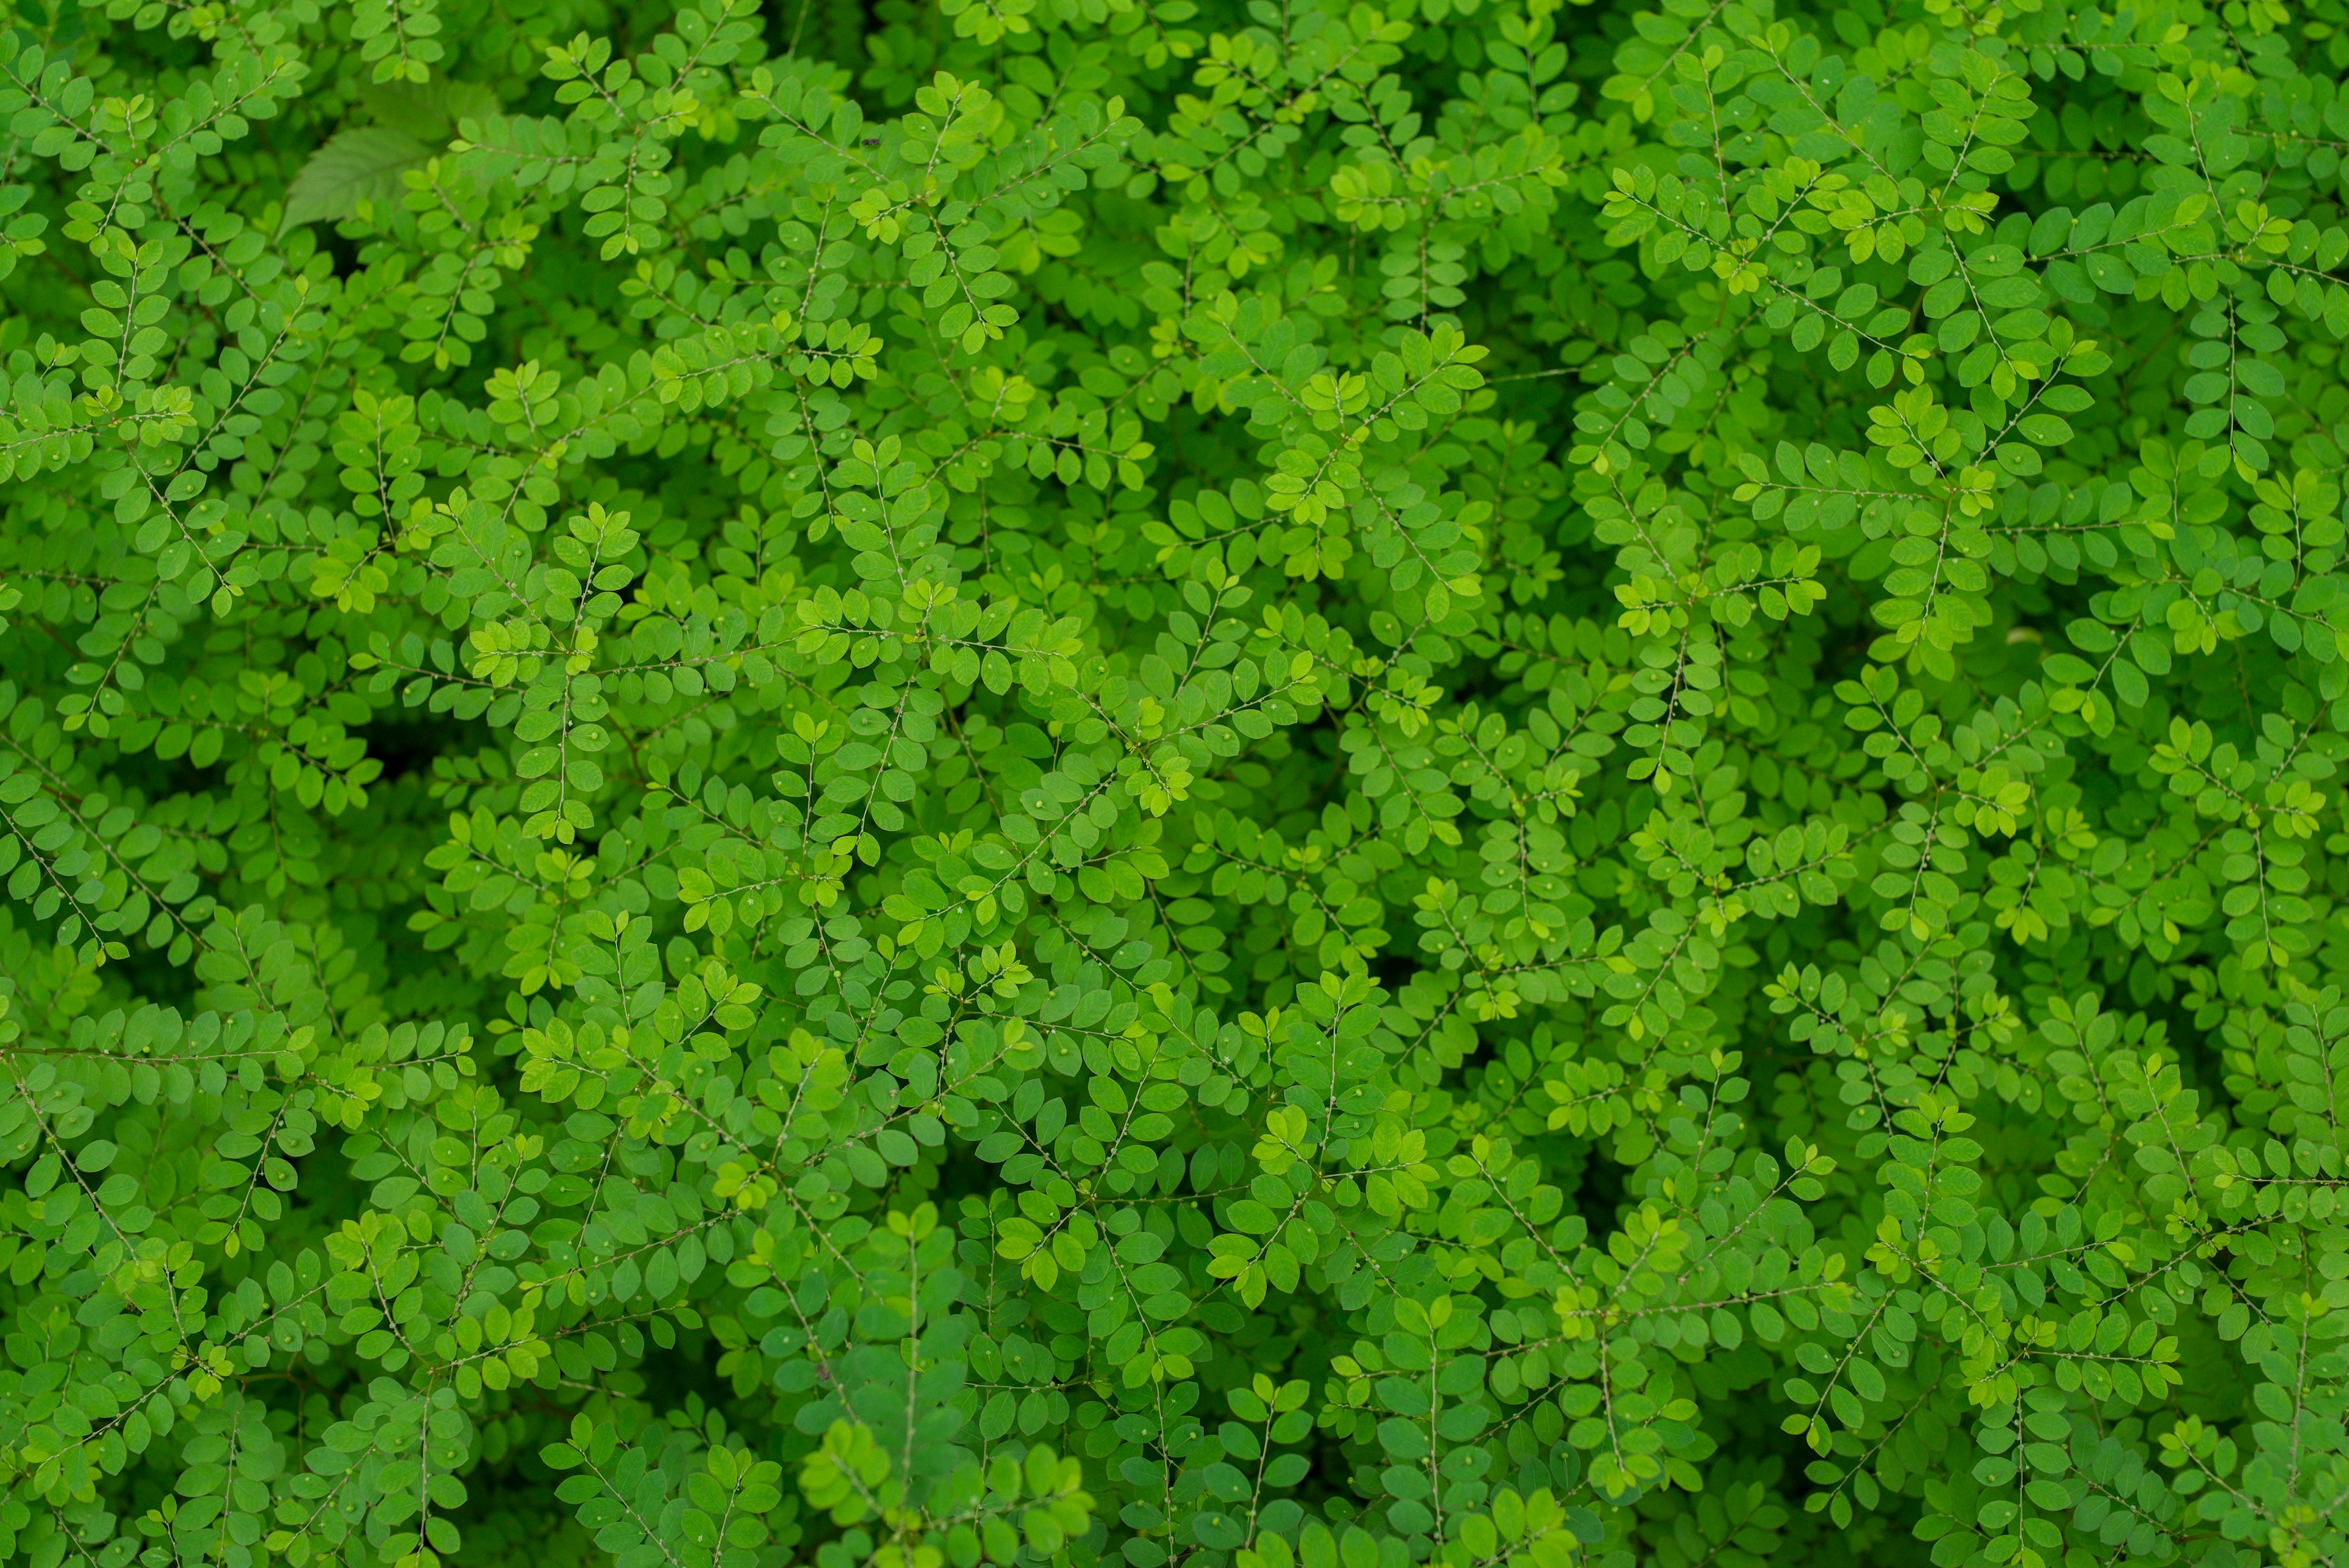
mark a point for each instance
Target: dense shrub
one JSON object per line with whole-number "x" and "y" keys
{"x": 1268, "y": 784}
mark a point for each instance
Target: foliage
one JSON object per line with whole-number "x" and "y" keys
{"x": 1269, "y": 783}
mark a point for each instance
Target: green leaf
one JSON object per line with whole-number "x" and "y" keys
{"x": 357, "y": 167}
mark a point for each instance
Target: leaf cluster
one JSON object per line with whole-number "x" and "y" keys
{"x": 1250, "y": 784}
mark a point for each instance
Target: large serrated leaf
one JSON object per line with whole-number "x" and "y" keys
{"x": 359, "y": 165}
{"x": 427, "y": 110}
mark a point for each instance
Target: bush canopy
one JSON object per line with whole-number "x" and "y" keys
{"x": 1117, "y": 783}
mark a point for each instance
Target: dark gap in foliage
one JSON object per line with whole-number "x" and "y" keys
{"x": 152, "y": 976}
{"x": 1394, "y": 970}
{"x": 685, "y": 1369}
{"x": 406, "y": 740}
{"x": 344, "y": 251}
{"x": 1598, "y": 1196}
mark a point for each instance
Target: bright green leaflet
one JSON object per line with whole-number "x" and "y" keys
{"x": 1258, "y": 783}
